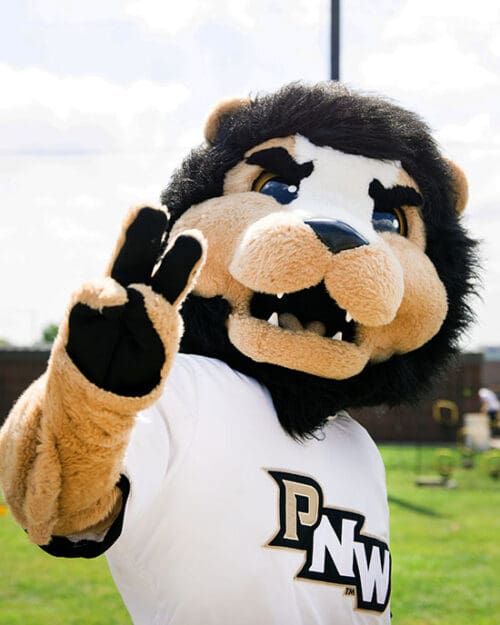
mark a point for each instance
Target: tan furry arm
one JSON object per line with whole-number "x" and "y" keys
{"x": 36, "y": 444}
{"x": 63, "y": 444}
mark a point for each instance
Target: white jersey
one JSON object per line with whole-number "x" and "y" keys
{"x": 231, "y": 521}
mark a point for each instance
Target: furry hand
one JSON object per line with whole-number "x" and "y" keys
{"x": 118, "y": 331}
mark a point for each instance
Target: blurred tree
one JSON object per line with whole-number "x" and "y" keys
{"x": 49, "y": 333}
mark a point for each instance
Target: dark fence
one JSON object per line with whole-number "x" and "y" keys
{"x": 18, "y": 368}
{"x": 438, "y": 417}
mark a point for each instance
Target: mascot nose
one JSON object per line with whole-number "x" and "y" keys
{"x": 336, "y": 235}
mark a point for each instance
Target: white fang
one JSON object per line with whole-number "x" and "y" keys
{"x": 273, "y": 319}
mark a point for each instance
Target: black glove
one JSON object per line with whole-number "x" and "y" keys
{"x": 117, "y": 347}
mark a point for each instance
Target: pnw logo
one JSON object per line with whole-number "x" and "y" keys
{"x": 336, "y": 550}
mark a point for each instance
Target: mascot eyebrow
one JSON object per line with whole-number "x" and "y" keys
{"x": 278, "y": 161}
{"x": 395, "y": 197}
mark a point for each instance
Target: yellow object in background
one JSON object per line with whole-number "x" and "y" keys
{"x": 3, "y": 509}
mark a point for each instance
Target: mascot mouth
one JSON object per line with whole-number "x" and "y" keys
{"x": 303, "y": 330}
{"x": 310, "y": 310}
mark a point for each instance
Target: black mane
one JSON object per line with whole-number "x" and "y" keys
{"x": 330, "y": 114}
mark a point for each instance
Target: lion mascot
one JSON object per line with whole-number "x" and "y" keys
{"x": 192, "y": 423}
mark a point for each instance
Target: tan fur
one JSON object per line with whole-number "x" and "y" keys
{"x": 302, "y": 351}
{"x": 416, "y": 228}
{"x": 405, "y": 180}
{"x": 368, "y": 282}
{"x": 422, "y": 310}
{"x": 391, "y": 286}
{"x": 100, "y": 293}
{"x": 223, "y": 108}
{"x": 461, "y": 187}
{"x": 62, "y": 446}
{"x": 279, "y": 253}
{"x": 222, "y": 221}
{"x": 18, "y": 442}
{"x": 362, "y": 281}
{"x": 241, "y": 178}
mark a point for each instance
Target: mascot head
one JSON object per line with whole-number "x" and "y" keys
{"x": 337, "y": 271}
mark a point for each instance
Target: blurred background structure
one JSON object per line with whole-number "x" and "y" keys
{"x": 440, "y": 417}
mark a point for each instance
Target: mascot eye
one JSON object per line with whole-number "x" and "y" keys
{"x": 276, "y": 187}
{"x": 390, "y": 221}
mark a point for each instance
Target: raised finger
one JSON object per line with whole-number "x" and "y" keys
{"x": 139, "y": 246}
{"x": 178, "y": 267}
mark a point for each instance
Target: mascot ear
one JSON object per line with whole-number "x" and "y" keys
{"x": 460, "y": 186}
{"x": 218, "y": 115}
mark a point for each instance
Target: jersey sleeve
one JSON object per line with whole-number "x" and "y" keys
{"x": 90, "y": 546}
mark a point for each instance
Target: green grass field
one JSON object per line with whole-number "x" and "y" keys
{"x": 37, "y": 589}
{"x": 445, "y": 545}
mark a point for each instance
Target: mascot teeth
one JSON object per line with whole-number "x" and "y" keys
{"x": 311, "y": 310}
{"x": 273, "y": 319}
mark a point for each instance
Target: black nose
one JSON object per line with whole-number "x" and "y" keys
{"x": 336, "y": 235}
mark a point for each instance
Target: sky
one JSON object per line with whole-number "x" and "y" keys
{"x": 102, "y": 99}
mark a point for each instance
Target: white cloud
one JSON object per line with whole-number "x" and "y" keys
{"x": 310, "y": 12}
{"x": 76, "y": 11}
{"x": 494, "y": 45}
{"x": 67, "y": 230}
{"x": 60, "y": 221}
{"x": 82, "y": 113}
{"x": 437, "y": 67}
{"x": 171, "y": 18}
{"x": 424, "y": 17}
{"x": 189, "y": 138}
{"x": 477, "y": 129}
{"x": 166, "y": 17}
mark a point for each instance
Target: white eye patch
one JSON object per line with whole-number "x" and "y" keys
{"x": 338, "y": 186}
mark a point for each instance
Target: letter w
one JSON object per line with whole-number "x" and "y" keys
{"x": 372, "y": 575}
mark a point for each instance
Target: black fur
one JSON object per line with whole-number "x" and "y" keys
{"x": 330, "y": 114}
{"x": 280, "y": 162}
{"x": 387, "y": 199}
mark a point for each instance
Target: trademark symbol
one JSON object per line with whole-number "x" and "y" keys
{"x": 349, "y": 592}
